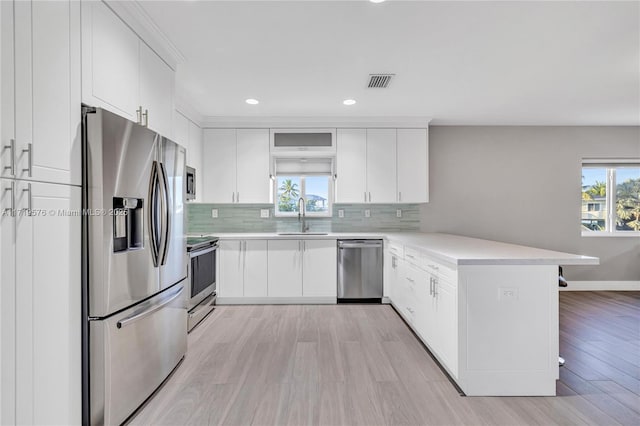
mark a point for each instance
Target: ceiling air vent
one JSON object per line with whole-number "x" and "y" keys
{"x": 379, "y": 81}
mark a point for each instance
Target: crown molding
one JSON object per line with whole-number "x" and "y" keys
{"x": 137, "y": 18}
{"x": 188, "y": 111}
{"x": 315, "y": 122}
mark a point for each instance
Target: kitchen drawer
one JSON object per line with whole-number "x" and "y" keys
{"x": 413, "y": 256}
{"x": 396, "y": 249}
{"x": 440, "y": 269}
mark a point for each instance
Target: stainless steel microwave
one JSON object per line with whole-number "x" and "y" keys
{"x": 191, "y": 183}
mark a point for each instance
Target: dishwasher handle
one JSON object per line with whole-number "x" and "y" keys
{"x": 360, "y": 244}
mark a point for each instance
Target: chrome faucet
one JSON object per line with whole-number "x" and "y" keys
{"x": 301, "y": 216}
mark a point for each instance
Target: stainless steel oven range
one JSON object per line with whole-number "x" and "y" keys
{"x": 201, "y": 297}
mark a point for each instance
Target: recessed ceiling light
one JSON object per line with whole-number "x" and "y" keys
{"x": 376, "y": 1}
{"x": 252, "y": 101}
{"x": 349, "y": 101}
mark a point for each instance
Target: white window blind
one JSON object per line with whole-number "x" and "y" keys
{"x": 303, "y": 166}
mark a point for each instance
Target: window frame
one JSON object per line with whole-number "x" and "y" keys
{"x": 611, "y": 166}
{"x": 303, "y": 193}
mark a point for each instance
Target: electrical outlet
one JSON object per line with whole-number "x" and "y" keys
{"x": 367, "y": 213}
{"x": 264, "y": 213}
{"x": 214, "y": 213}
{"x": 508, "y": 293}
{"x": 341, "y": 213}
{"x": 398, "y": 213}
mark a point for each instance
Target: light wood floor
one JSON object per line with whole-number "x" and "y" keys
{"x": 361, "y": 365}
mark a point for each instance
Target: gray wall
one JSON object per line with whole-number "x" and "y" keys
{"x": 522, "y": 185}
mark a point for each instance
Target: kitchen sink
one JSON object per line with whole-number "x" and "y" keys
{"x": 303, "y": 233}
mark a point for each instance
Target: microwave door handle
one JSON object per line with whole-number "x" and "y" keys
{"x": 152, "y": 213}
{"x": 166, "y": 214}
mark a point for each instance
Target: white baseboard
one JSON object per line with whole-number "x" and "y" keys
{"x": 602, "y": 286}
{"x": 276, "y": 301}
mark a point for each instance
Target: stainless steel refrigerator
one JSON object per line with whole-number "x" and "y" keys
{"x": 134, "y": 264}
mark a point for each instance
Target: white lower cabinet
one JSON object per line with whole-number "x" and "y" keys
{"x": 41, "y": 258}
{"x": 242, "y": 268}
{"x": 285, "y": 268}
{"x": 277, "y": 271}
{"x": 303, "y": 269}
{"x": 255, "y": 268}
{"x": 446, "y": 318}
{"x": 425, "y": 294}
{"x": 319, "y": 268}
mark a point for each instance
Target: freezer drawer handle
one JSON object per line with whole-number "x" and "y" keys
{"x": 138, "y": 316}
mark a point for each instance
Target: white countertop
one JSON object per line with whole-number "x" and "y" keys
{"x": 460, "y": 250}
{"x": 453, "y": 249}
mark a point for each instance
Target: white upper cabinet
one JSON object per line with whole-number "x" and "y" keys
{"x": 156, "y": 91}
{"x": 219, "y": 170}
{"x": 121, "y": 73}
{"x": 236, "y": 166}
{"x": 189, "y": 135}
{"x": 110, "y": 61}
{"x": 413, "y": 166}
{"x": 47, "y": 141}
{"x": 181, "y": 132}
{"x": 381, "y": 165}
{"x": 194, "y": 156}
{"x": 252, "y": 155}
{"x": 351, "y": 166}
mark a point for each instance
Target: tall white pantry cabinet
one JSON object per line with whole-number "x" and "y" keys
{"x": 40, "y": 272}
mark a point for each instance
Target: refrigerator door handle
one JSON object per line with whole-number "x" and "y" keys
{"x": 140, "y": 315}
{"x": 152, "y": 213}
{"x": 166, "y": 215}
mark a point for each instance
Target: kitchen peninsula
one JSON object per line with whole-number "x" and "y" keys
{"x": 488, "y": 311}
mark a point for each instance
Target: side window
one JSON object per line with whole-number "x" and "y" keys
{"x": 610, "y": 198}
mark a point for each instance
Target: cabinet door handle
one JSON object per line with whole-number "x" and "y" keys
{"x": 399, "y": 196}
{"x": 29, "y": 200}
{"x": 237, "y": 197}
{"x": 365, "y": 196}
{"x": 145, "y": 114}
{"x": 29, "y": 152}
{"x": 369, "y": 197}
{"x": 11, "y": 210}
{"x": 233, "y": 197}
{"x": 139, "y": 115}
{"x": 431, "y": 286}
{"x": 12, "y": 165}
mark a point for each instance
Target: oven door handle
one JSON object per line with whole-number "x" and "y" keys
{"x": 197, "y": 253}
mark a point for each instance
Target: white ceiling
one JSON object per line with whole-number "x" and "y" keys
{"x": 509, "y": 63}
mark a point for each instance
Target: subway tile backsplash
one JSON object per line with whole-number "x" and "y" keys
{"x": 246, "y": 218}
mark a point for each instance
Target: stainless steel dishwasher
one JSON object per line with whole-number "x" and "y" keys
{"x": 360, "y": 271}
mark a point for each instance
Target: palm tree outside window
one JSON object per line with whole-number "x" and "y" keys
{"x": 316, "y": 191}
